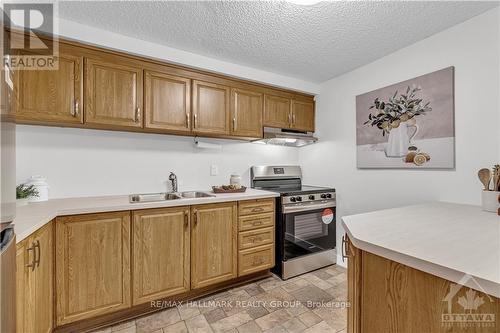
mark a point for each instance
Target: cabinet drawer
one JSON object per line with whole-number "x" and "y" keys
{"x": 256, "y": 221}
{"x": 252, "y": 238}
{"x": 255, "y": 206}
{"x": 255, "y": 259}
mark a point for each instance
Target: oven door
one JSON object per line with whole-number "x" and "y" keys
{"x": 308, "y": 228}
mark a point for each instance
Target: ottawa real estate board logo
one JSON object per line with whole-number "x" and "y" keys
{"x": 29, "y": 36}
{"x": 467, "y": 307}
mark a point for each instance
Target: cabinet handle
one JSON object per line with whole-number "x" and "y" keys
{"x": 195, "y": 120}
{"x": 195, "y": 217}
{"x": 186, "y": 221}
{"x": 33, "y": 262}
{"x": 258, "y": 209}
{"x": 344, "y": 247}
{"x": 234, "y": 124}
{"x": 187, "y": 119}
{"x": 76, "y": 109}
{"x": 290, "y": 119}
{"x": 137, "y": 114}
{"x": 38, "y": 253}
{"x": 293, "y": 118}
{"x": 257, "y": 223}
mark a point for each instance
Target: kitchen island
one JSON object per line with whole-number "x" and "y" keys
{"x": 425, "y": 268}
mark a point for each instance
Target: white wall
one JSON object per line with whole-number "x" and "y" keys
{"x": 79, "y": 162}
{"x": 473, "y": 48}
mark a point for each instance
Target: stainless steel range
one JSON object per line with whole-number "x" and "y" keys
{"x": 305, "y": 220}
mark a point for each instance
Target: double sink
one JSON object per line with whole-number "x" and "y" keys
{"x": 154, "y": 197}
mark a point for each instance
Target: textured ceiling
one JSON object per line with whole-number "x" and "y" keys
{"x": 313, "y": 43}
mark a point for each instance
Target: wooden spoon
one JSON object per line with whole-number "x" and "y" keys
{"x": 485, "y": 178}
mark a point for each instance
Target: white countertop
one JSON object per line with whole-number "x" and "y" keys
{"x": 33, "y": 216}
{"x": 444, "y": 239}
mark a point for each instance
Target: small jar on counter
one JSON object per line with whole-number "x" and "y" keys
{"x": 235, "y": 180}
{"x": 40, "y": 183}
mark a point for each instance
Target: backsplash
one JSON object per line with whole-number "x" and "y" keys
{"x": 80, "y": 162}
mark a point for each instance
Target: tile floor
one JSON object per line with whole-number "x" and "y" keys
{"x": 309, "y": 303}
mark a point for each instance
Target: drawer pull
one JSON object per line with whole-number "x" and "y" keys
{"x": 256, "y": 239}
{"x": 257, "y": 223}
{"x": 257, "y": 209}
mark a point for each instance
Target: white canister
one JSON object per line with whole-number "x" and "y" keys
{"x": 235, "y": 180}
{"x": 40, "y": 183}
{"x": 489, "y": 201}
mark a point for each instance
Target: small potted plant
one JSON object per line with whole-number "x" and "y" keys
{"x": 394, "y": 116}
{"x": 24, "y": 193}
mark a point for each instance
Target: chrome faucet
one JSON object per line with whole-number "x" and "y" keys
{"x": 173, "y": 179}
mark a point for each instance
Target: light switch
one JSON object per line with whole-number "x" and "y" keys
{"x": 214, "y": 170}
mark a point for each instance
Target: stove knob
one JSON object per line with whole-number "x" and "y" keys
{"x": 292, "y": 199}
{"x": 299, "y": 198}
{"x": 329, "y": 195}
{"x": 323, "y": 196}
{"x": 312, "y": 197}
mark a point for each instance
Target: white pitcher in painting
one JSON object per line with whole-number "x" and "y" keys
{"x": 399, "y": 140}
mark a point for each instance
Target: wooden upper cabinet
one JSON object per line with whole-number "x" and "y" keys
{"x": 167, "y": 102}
{"x": 35, "y": 265}
{"x": 92, "y": 265}
{"x": 277, "y": 111}
{"x": 161, "y": 239}
{"x": 50, "y": 96}
{"x": 113, "y": 92}
{"x": 303, "y": 115}
{"x": 210, "y": 108}
{"x": 246, "y": 113}
{"x": 213, "y": 244}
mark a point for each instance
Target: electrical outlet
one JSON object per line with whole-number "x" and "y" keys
{"x": 214, "y": 170}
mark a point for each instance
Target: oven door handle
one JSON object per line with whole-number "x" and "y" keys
{"x": 304, "y": 207}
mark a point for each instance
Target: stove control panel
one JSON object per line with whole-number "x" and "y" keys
{"x": 291, "y": 199}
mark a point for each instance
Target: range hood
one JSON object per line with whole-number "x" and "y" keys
{"x": 286, "y": 137}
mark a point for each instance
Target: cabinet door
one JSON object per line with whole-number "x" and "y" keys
{"x": 303, "y": 115}
{"x": 210, "y": 108}
{"x": 246, "y": 113}
{"x": 277, "y": 111}
{"x": 113, "y": 93}
{"x": 213, "y": 244}
{"x": 44, "y": 279}
{"x": 35, "y": 265}
{"x": 160, "y": 253}
{"x": 25, "y": 292}
{"x": 50, "y": 96}
{"x": 167, "y": 102}
{"x": 353, "y": 286}
{"x": 92, "y": 265}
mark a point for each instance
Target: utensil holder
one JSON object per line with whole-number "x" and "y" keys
{"x": 489, "y": 201}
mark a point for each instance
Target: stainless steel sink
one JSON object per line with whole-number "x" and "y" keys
{"x": 196, "y": 194}
{"x": 152, "y": 197}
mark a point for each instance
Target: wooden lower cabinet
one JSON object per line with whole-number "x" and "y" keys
{"x": 109, "y": 266}
{"x": 389, "y": 297}
{"x": 34, "y": 287}
{"x": 92, "y": 265}
{"x": 161, "y": 253}
{"x": 256, "y": 238}
{"x": 214, "y": 234}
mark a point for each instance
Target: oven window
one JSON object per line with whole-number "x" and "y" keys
{"x": 305, "y": 233}
{"x": 309, "y": 226}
